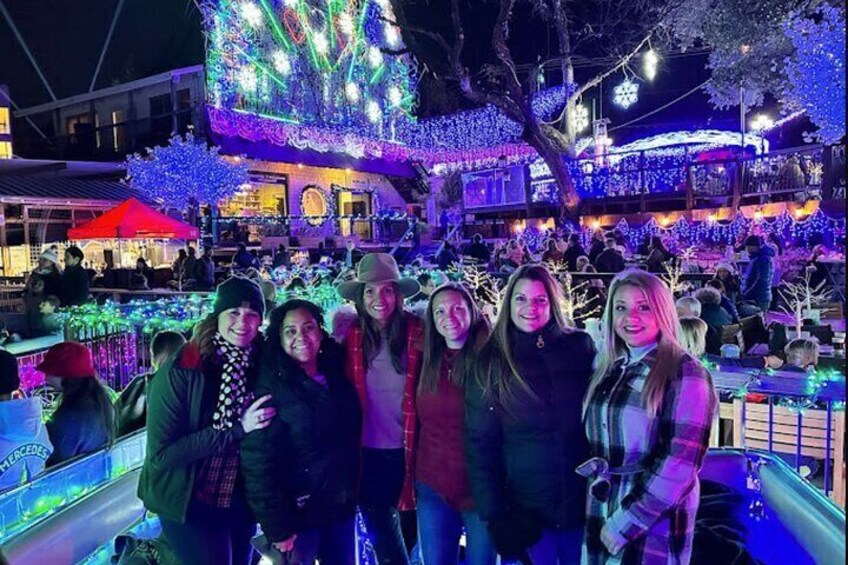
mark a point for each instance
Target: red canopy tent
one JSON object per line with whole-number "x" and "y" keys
{"x": 134, "y": 220}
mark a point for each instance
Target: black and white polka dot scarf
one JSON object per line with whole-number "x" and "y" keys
{"x": 232, "y": 395}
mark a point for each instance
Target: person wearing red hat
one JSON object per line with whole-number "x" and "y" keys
{"x": 383, "y": 359}
{"x": 200, "y": 406}
{"x": 84, "y": 422}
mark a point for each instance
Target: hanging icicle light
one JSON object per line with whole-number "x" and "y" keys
{"x": 321, "y": 44}
{"x": 650, "y": 62}
{"x": 579, "y": 118}
{"x": 626, "y": 94}
{"x": 375, "y": 58}
{"x": 373, "y": 111}
{"x": 352, "y": 92}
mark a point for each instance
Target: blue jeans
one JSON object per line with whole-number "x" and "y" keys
{"x": 565, "y": 548}
{"x": 440, "y": 527}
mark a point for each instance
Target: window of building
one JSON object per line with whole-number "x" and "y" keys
{"x": 75, "y": 126}
{"x": 160, "y": 114}
{"x": 119, "y": 129}
{"x": 5, "y": 125}
{"x": 183, "y": 109}
{"x": 5, "y": 150}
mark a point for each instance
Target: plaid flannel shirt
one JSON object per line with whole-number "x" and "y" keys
{"x": 652, "y": 512}
{"x": 355, "y": 370}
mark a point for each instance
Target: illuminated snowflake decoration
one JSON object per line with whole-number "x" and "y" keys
{"x": 626, "y": 94}
{"x": 580, "y": 118}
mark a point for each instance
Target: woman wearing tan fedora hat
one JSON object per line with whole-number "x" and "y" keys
{"x": 383, "y": 359}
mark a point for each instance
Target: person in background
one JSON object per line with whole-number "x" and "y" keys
{"x": 383, "y": 361}
{"x": 758, "y": 279}
{"x": 478, "y": 250}
{"x": 726, "y": 274}
{"x": 311, "y": 514}
{"x": 427, "y": 285}
{"x": 75, "y": 281}
{"x": 49, "y": 273}
{"x": 644, "y": 248}
{"x": 24, "y": 444}
{"x": 610, "y": 260}
{"x": 201, "y": 406}
{"x": 620, "y": 240}
{"x": 144, "y": 270}
{"x": 84, "y": 421}
{"x": 583, "y": 262}
{"x": 269, "y": 292}
{"x": 204, "y": 271}
{"x": 48, "y": 322}
{"x": 573, "y": 252}
{"x": 552, "y": 254}
{"x": 693, "y": 336}
{"x": 658, "y": 256}
{"x": 648, "y": 416}
{"x": 726, "y": 303}
{"x": 131, "y": 405}
{"x": 688, "y": 306}
{"x": 282, "y": 257}
{"x": 801, "y": 355}
{"x": 178, "y": 267}
{"x": 597, "y": 246}
{"x": 454, "y": 332}
{"x": 714, "y": 315}
{"x": 190, "y": 264}
{"x": 352, "y": 255}
{"x": 243, "y": 260}
{"x": 447, "y": 256}
{"x": 524, "y": 437}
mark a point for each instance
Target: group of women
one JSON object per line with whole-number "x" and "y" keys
{"x": 542, "y": 446}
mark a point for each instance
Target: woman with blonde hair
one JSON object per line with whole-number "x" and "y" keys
{"x": 693, "y": 335}
{"x": 648, "y": 415}
{"x": 523, "y": 430}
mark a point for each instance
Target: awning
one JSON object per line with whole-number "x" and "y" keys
{"x": 134, "y": 220}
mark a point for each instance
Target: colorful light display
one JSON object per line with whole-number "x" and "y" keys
{"x": 319, "y": 65}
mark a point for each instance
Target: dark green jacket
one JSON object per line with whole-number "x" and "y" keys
{"x": 180, "y": 433}
{"x": 302, "y": 471}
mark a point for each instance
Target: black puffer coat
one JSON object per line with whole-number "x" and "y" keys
{"x": 302, "y": 471}
{"x": 524, "y": 456}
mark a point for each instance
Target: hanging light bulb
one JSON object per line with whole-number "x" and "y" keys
{"x": 247, "y": 79}
{"x": 346, "y": 24}
{"x": 626, "y": 94}
{"x": 373, "y": 111}
{"x": 375, "y": 58}
{"x": 650, "y": 62}
{"x": 395, "y": 95}
{"x": 321, "y": 44}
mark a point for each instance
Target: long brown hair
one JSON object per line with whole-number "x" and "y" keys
{"x": 435, "y": 345}
{"x": 670, "y": 353}
{"x": 498, "y": 373}
{"x": 202, "y": 335}
{"x": 372, "y": 334}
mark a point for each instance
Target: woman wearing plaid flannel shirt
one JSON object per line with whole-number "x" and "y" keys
{"x": 648, "y": 415}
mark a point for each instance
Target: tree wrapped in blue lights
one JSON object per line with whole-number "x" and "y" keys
{"x": 185, "y": 173}
{"x": 307, "y": 63}
{"x": 816, "y": 71}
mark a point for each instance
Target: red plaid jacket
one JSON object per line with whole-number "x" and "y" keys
{"x": 355, "y": 370}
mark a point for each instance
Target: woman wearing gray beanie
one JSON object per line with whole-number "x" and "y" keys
{"x": 200, "y": 407}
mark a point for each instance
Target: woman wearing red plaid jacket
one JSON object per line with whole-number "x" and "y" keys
{"x": 648, "y": 415}
{"x": 382, "y": 360}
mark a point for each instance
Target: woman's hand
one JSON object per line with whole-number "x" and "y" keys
{"x": 255, "y": 417}
{"x": 286, "y": 545}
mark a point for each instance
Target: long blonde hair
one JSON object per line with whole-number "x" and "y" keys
{"x": 670, "y": 353}
{"x": 498, "y": 372}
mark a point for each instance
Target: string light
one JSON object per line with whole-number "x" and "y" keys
{"x": 650, "y": 62}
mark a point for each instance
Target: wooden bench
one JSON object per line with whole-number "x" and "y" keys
{"x": 785, "y": 436}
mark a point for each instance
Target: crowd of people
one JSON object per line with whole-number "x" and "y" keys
{"x": 412, "y": 407}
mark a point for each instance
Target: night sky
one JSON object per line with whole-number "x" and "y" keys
{"x": 154, "y": 36}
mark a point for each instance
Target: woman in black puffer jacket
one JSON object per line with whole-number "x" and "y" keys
{"x": 523, "y": 424}
{"x": 302, "y": 472}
